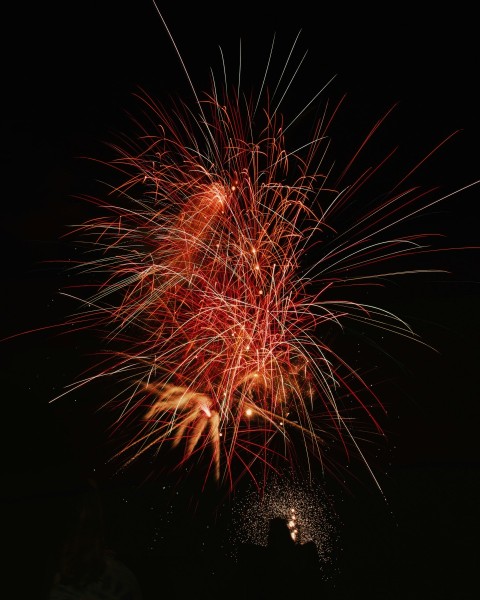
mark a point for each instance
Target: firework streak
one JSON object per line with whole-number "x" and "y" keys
{"x": 221, "y": 275}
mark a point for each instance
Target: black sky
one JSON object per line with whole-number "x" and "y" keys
{"x": 69, "y": 73}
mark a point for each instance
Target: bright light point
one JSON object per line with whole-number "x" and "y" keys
{"x": 206, "y": 410}
{"x": 249, "y": 412}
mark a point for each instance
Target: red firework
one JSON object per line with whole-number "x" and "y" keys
{"x": 220, "y": 317}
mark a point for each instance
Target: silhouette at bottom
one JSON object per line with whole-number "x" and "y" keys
{"x": 282, "y": 569}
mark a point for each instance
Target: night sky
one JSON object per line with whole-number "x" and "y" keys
{"x": 70, "y": 73}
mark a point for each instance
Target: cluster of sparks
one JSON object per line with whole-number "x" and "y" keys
{"x": 306, "y": 509}
{"x": 220, "y": 277}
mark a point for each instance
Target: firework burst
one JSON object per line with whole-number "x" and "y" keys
{"x": 222, "y": 270}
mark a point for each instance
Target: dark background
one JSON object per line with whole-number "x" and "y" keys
{"x": 69, "y": 72}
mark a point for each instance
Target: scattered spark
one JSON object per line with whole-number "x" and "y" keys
{"x": 306, "y": 508}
